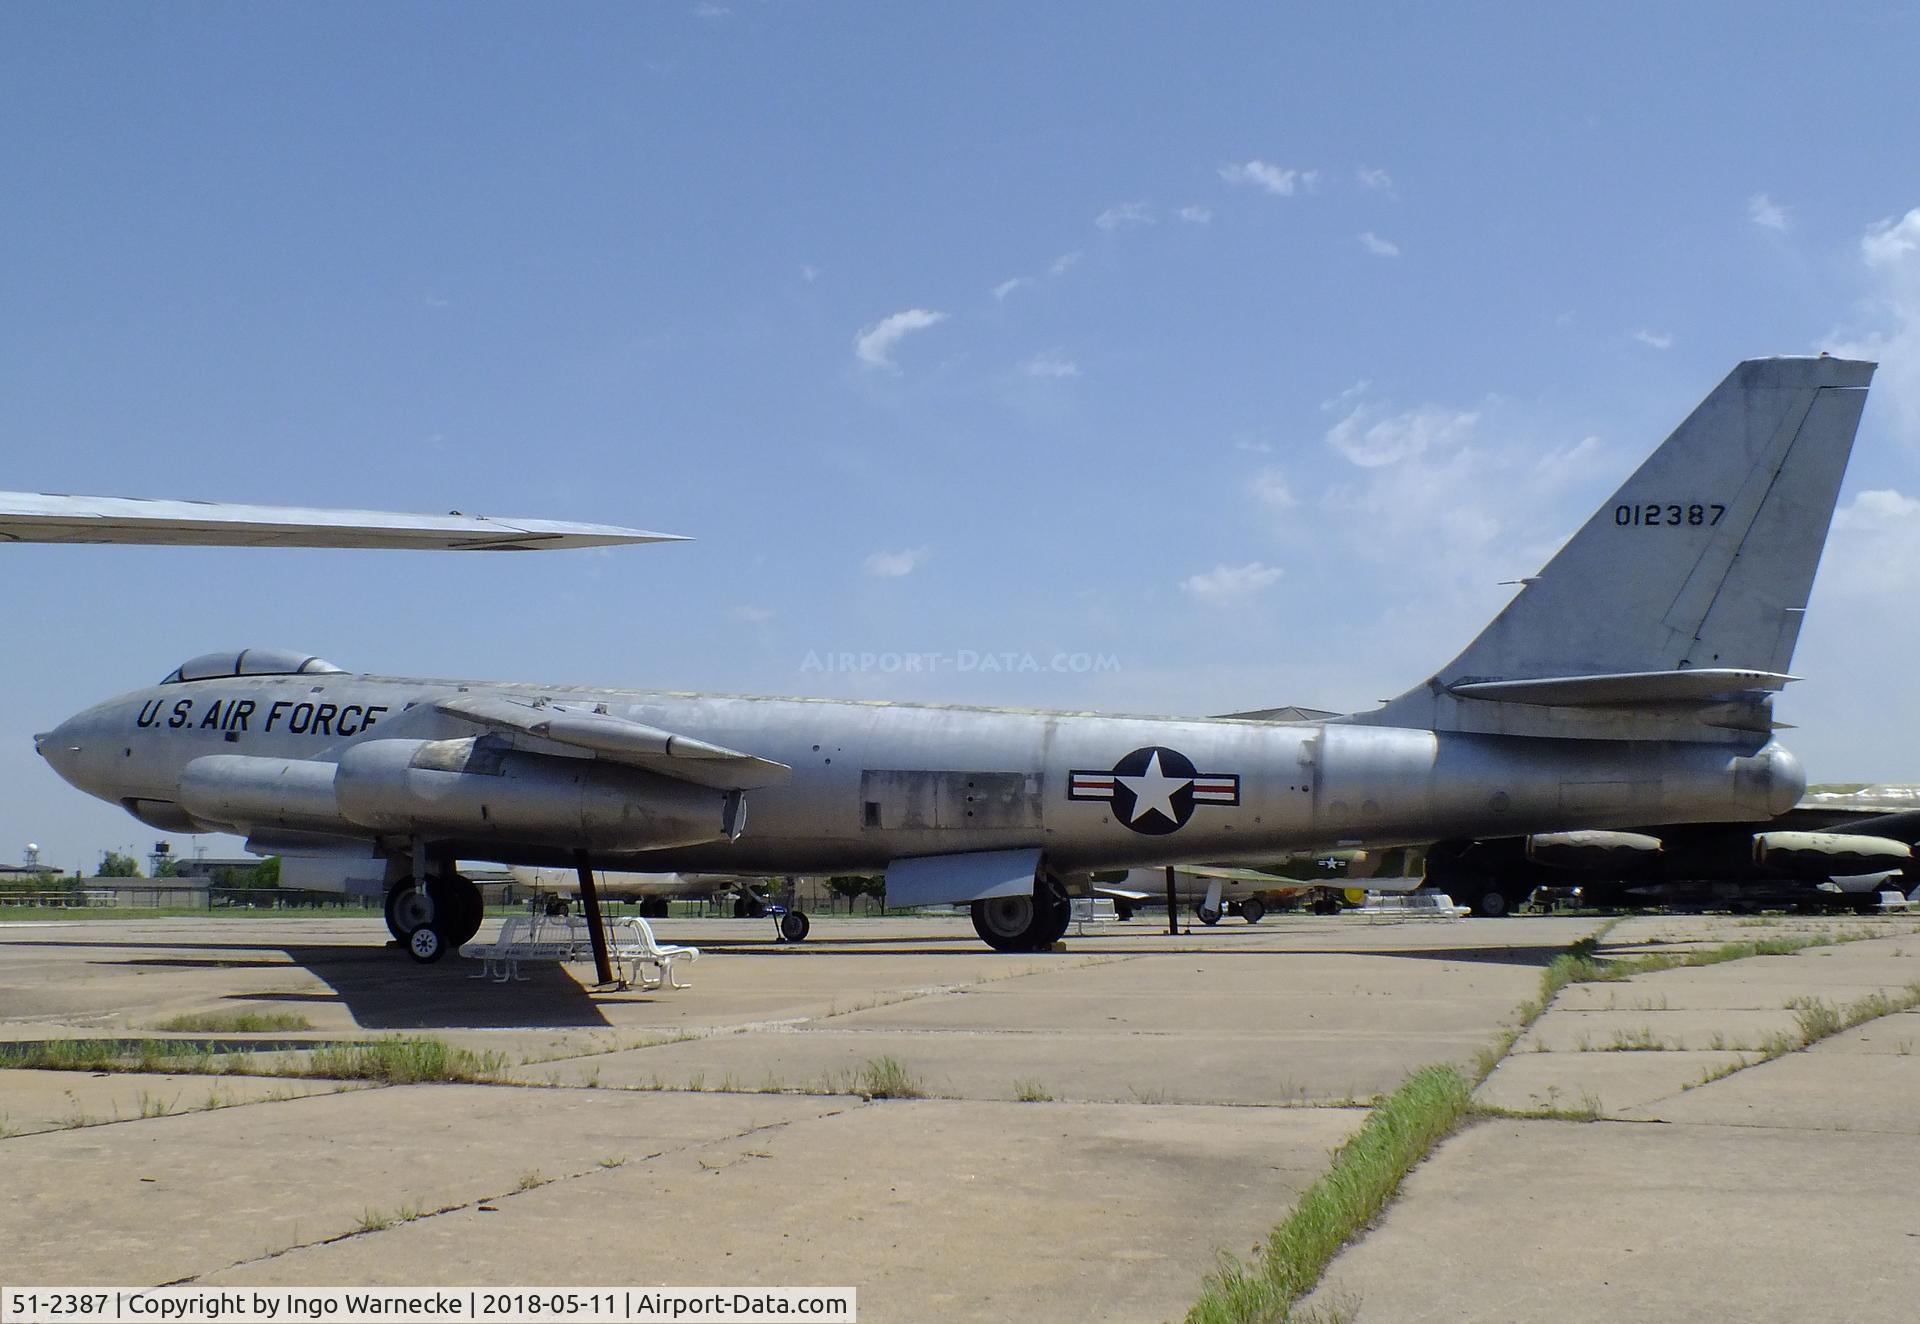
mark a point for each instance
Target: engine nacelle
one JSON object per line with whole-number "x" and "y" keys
{"x": 1593, "y": 850}
{"x": 1822, "y": 854}
{"x": 471, "y": 789}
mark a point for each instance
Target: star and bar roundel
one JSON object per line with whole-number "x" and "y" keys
{"x": 1154, "y": 790}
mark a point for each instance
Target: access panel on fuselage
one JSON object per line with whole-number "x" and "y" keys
{"x": 919, "y": 800}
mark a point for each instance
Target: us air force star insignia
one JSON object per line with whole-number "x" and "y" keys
{"x": 1154, "y": 790}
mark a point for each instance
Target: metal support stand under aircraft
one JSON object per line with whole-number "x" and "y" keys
{"x": 590, "y": 902}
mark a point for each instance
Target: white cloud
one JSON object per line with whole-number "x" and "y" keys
{"x": 435, "y": 301}
{"x": 1196, "y": 214}
{"x": 1376, "y": 181}
{"x": 1012, "y": 283}
{"x": 1227, "y": 585}
{"x": 1272, "y": 178}
{"x": 1764, "y": 212}
{"x": 809, "y": 274}
{"x": 1875, "y": 549}
{"x": 1372, "y": 438}
{"x": 708, "y": 9}
{"x": 1050, "y": 365}
{"x": 1658, "y": 339}
{"x": 1889, "y": 325}
{"x": 1889, "y": 244}
{"x": 1066, "y": 262}
{"x": 874, "y": 345}
{"x": 896, "y": 565}
{"x": 1377, "y": 246}
{"x": 1124, "y": 214}
{"x": 1270, "y": 489}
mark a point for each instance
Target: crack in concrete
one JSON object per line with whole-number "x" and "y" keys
{"x": 523, "y": 1189}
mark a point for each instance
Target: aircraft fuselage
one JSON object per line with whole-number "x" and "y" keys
{"x": 873, "y": 782}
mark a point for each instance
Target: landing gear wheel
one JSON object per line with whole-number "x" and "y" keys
{"x": 1031, "y": 923}
{"x": 407, "y": 909}
{"x": 449, "y": 903}
{"x": 794, "y": 926}
{"x": 748, "y": 907}
{"x": 1123, "y": 913}
{"x": 654, "y": 907}
{"x": 1489, "y": 903}
{"x": 426, "y": 944}
{"x": 464, "y": 909}
{"x": 1253, "y": 911}
{"x": 1207, "y": 915}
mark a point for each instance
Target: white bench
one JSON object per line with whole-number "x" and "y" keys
{"x": 561, "y": 938}
{"x": 1418, "y": 905}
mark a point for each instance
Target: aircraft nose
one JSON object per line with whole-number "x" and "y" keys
{"x": 60, "y": 747}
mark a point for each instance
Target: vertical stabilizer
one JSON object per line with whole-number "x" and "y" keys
{"x": 1702, "y": 560}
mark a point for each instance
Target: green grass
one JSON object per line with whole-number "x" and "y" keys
{"x": 888, "y": 1078}
{"x": 1582, "y": 964}
{"x": 1362, "y": 1179}
{"x": 15, "y": 913}
{"x": 399, "y": 1062}
{"x": 403, "y": 1061}
{"x": 245, "y": 1022}
{"x": 1031, "y": 1091}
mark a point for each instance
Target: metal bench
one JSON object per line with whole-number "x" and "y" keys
{"x": 562, "y": 938}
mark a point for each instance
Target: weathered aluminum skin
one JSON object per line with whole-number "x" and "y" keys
{"x": 874, "y": 782}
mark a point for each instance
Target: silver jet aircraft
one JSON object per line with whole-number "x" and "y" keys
{"x": 1629, "y": 682}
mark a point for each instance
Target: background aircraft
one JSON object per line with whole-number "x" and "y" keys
{"x": 48, "y": 518}
{"x": 1812, "y": 855}
{"x": 1323, "y": 880}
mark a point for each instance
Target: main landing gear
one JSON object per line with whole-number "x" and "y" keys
{"x": 431, "y": 916}
{"x": 1032, "y": 923}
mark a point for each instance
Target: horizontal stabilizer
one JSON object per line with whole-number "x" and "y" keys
{"x": 1694, "y": 685}
{"x": 620, "y": 741}
{"x": 51, "y": 518}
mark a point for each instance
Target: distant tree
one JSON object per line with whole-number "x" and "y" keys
{"x": 115, "y": 865}
{"x": 855, "y": 885}
{"x": 167, "y": 868}
{"x": 264, "y": 874}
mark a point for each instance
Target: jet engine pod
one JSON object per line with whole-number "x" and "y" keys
{"x": 246, "y": 793}
{"x": 1593, "y": 850}
{"x": 1823, "y": 854}
{"x": 480, "y": 788}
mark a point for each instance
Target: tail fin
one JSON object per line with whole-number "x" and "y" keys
{"x": 1702, "y": 562}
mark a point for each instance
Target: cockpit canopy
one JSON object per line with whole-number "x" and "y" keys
{"x": 249, "y": 662}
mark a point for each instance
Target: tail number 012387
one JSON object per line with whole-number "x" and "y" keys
{"x": 1655, "y": 514}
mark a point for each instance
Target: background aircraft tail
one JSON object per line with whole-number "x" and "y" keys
{"x": 1672, "y": 614}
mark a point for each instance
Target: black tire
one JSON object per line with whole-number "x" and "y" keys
{"x": 1030, "y": 923}
{"x": 1206, "y": 916}
{"x": 1488, "y": 902}
{"x": 653, "y": 907}
{"x": 407, "y": 910}
{"x": 393, "y": 922}
{"x": 466, "y": 911}
{"x": 1123, "y": 913}
{"x": 794, "y": 926}
{"x": 1253, "y": 911}
{"x": 452, "y": 904}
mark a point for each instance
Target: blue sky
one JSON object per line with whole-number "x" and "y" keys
{"x": 1236, "y": 353}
